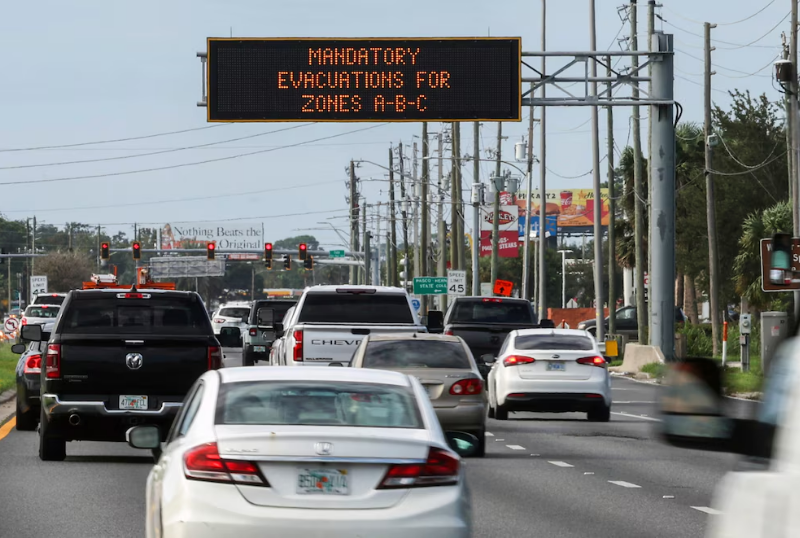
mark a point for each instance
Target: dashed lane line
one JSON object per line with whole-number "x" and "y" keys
{"x": 629, "y": 415}
{"x": 489, "y": 434}
{"x": 707, "y": 510}
{"x": 560, "y": 464}
{"x": 623, "y": 484}
{"x": 7, "y": 427}
{"x": 516, "y": 447}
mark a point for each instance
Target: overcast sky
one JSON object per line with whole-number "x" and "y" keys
{"x": 83, "y": 71}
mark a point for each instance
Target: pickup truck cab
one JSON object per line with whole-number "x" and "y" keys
{"x": 259, "y": 332}
{"x": 117, "y": 358}
{"x": 329, "y": 322}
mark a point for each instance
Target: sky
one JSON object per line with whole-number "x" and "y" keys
{"x": 89, "y": 70}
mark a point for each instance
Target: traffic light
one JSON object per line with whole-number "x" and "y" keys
{"x": 302, "y": 251}
{"x": 211, "y": 251}
{"x": 267, "y": 251}
{"x": 105, "y": 251}
{"x": 287, "y": 262}
{"x": 308, "y": 263}
{"x": 268, "y": 264}
{"x": 136, "y": 248}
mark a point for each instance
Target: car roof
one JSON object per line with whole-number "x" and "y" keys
{"x": 240, "y": 304}
{"x": 378, "y": 289}
{"x": 542, "y": 332}
{"x": 107, "y": 291}
{"x": 312, "y": 373}
{"x": 414, "y": 336}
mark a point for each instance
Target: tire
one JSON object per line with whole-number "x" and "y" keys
{"x": 247, "y": 359}
{"x": 491, "y": 413}
{"x": 481, "y": 451}
{"x": 51, "y": 447}
{"x": 599, "y": 414}
{"x": 26, "y": 421}
{"x": 501, "y": 412}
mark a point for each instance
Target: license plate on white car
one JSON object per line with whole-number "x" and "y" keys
{"x": 259, "y": 349}
{"x": 136, "y": 403}
{"x": 323, "y": 482}
{"x": 556, "y": 367}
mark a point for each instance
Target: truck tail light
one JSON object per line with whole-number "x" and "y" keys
{"x": 219, "y": 320}
{"x": 253, "y": 332}
{"x": 448, "y": 332}
{"x": 297, "y": 353}
{"x": 467, "y": 387}
{"x": 24, "y": 320}
{"x": 440, "y": 469}
{"x": 214, "y": 358}
{"x": 513, "y": 360}
{"x": 53, "y": 362}
{"x": 33, "y": 364}
{"x": 593, "y": 361}
{"x": 204, "y": 463}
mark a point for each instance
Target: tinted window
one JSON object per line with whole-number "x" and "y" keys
{"x": 491, "y": 311}
{"x": 132, "y": 316}
{"x": 41, "y": 311}
{"x": 415, "y": 354}
{"x": 554, "y": 341}
{"x": 280, "y": 310}
{"x": 49, "y": 299}
{"x": 308, "y": 403}
{"x": 238, "y": 313}
{"x": 355, "y": 308}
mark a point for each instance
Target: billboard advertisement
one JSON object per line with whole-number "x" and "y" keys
{"x": 572, "y": 208}
{"x": 508, "y": 216}
{"x": 239, "y": 236}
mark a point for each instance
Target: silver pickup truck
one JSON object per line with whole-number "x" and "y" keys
{"x": 329, "y": 322}
{"x": 259, "y": 333}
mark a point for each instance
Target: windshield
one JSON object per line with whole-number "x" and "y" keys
{"x": 133, "y": 316}
{"x": 367, "y": 308}
{"x": 41, "y": 311}
{"x": 318, "y": 403}
{"x": 566, "y": 342}
{"x": 401, "y": 354}
{"x": 492, "y": 311}
{"x": 49, "y": 299}
{"x": 234, "y": 312}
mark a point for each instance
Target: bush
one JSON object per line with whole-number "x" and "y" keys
{"x": 699, "y": 342}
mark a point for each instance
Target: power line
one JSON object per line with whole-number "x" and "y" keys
{"x": 182, "y": 165}
{"x": 754, "y": 73}
{"x": 721, "y": 23}
{"x": 734, "y": 46}
{"x": 262, "y": 217}
{"x": 722, "y": 66}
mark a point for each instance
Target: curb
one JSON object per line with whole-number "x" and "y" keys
{"x": 653, "y": 382}
{"x": 7, "y": 396}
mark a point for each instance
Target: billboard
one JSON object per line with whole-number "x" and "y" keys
{"x": 185, "y": 266}
{"x": 508, "y": 237}
{"x": 364, "y": 79}
{"x": 249, "y": 236}
{"x": 572, "y": 208}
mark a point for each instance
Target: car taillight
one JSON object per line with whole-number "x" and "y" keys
{"x": 214, "y": 358}
{"x": 253, "y": 332}
{"x": 592, "y": 361}
{"x": 219, "y": 320}
{"x": 440, "y": 469}
{"x": 24, "y": 321}
{"x": 513, "y": 360}
{"x": 449, "y": 332}
{"x": 33, "y": 364}
{"x": 52, "y": 368}
{"x": 297, "y": 353}
{"x": 466, "y": 387}
{"x": 204, "y": 463}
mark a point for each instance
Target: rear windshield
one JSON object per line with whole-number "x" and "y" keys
{"x": 355, "y": 308}
{"x": 567, "y": 342}
{"x": 133, "y": 316}
{"x": 309, "y": 403}
{"x": 238, "y": 312}
{"x": 492, "y": 311}
{"x": 415, "y": 354}
{"x": 43, "y": 311}
{"x": 49, "y": 299}
{"x": 279, "y": 309}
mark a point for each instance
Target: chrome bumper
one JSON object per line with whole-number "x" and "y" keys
{"x": 54, "y": 406}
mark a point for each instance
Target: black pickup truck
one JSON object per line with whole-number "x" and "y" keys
{"x": 117, "y": 358}
{"x": 484, "y": 322}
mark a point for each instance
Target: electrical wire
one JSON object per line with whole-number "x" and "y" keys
{"x": 698, "y": 84}
{"x": 182, "y": 165}
{"x": 740, "y": 163}
{"x": 734, "y": 46}
{"x": 768, "y": 64}
{"x": 723, "y": 67}
{"x": 762, "y": 165}
{"x": 721, "y": 23}
{"x": 232, "y": 219}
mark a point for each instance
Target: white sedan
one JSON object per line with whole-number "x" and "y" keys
{"x": 549, "y": 370}
{"x": 323, "y": 452}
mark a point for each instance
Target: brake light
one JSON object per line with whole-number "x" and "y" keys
{"x": 53, "y": 363}
{"x": 24, "y": 321}
{"x": 488, "y": 300}
{"x": 214, "y": 358}
{"x": 448, "y": 332}
{"x": 466, "y": 387}
{"x": 33, "y": 364}
{"x": 297, "y": 353}
{"x": 593, "y": 361}
{"x": 205, "y": 463}
{"x": 253, "y": 332}
{"x": 219, "y": 320}
{"x": 513, "y": 360}
{"x": 440, "y": 469}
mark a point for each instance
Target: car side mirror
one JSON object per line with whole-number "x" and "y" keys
{"x": 464, "y": 444}
{"x": 31, "y": 333}
{"x": 488, "y": 358}
{"x": 145, "y": 437}
{"x": 278, "y": 328}
{"x": 265, "y": 318}
{"x": 18, "y": 349}
{"x": 435, "y": 323}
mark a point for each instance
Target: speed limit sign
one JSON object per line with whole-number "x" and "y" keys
{"x": 456, "y": 283}
{"x": 38, "y": 286}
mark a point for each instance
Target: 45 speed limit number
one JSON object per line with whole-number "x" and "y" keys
{"x": 456, "y": 283}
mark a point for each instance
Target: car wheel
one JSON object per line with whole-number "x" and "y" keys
{"x": 51, "y": 447}
{"x": 26, "y": 421}
{"x": 501, "y": 412}
{"x": 480, "y": 452}
{"x": 599, "y": 414}
{"x": 491, "y": 413}
{"x": 247, "y": 359}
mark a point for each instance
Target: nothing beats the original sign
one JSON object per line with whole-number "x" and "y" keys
{"x": 378, "y": 80}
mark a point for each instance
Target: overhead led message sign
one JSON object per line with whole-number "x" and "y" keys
{"x": 378, "y": 80}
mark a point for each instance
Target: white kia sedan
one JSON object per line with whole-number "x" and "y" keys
{"x": 317, "y": 452}
{"x": 550, "y": 371}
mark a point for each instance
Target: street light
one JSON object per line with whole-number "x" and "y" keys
{"x": 564, "y": 277}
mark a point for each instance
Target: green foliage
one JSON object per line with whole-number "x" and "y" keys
{"x": 655, "y": 369}
{"x": 8, "y": 363}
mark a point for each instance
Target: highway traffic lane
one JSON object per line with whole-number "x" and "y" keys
{"x": 232, "y": 357}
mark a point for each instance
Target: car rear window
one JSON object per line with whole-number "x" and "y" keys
{"x": 369, "y": 308}
{"x": 232, "y": 312}
{"x": 415, "y": 354}
{"x": 567, "y": 342}
{"x": 279, "y": 309}
{"x": 492, "y": 311}
{"x": 134, "y": 316}
{"x": 44, "y": 311}
{"x": 309, "y": 403}
{"x": 49, "y": 299}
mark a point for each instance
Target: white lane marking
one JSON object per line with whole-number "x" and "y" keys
{"x": 560, "y": 464}
{"x": 632, "y": 402}
{"x": 516, "y": 447}
{"x": 489, "y": 434}
{"x": 629, "y": 415}
{"x": 617, "y": 388}
{"x": 623, "y": 484}
{"x": 707, "y": 510}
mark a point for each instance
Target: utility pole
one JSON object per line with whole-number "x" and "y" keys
{"x": 33, "y": 247}
{"x": 651, "y": 10}
{"x": 391, "y": 253}
{"x": 353, "y": 218}
{"x": 476, "y": 201}
{"x": 363, "y": 270}
{"x": 497, "y": 182}
{"x": 404, "y": 214}
{"x": 795, "y": 126}
{"x": 787, "y": 103}
{"x": 713, "y": 257}
{"x": 542, "y": 300}
{"x": 378, "y": 238}
{"x": 638, "y": 190}
{"x": 367, "y": 254}
{"x": 99, "y": 262}
{"x": 612, "y": 241}
{"x": 441, "y": 265}
{"x": 453, "y": 202}
{"x": 415, "y": 216}
{"x": 526, "y": 261}
{"x": 425, "y": 241}
{"x": 462, "y": 263}
{"x": 598, "y": 202}
{"x": 69, "y": 236}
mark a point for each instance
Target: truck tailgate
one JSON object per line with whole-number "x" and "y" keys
{"x": 337, "y": 343}
{"x": 483, "y": 338}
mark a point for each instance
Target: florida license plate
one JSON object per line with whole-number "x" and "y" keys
{"x": 556, "y": 367}
{"x": 323, "y": 482}
{"x": 259, "y": 349}
{"x": 136, "y": 403}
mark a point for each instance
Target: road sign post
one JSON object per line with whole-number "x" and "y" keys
{"x": 456, "y": 283}
{"x": 503, "y": 288}
{"x": 430, "y": 285}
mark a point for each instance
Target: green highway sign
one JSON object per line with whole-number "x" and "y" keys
{"x": 337, "y": 253}
{"x": 430, "y": 285}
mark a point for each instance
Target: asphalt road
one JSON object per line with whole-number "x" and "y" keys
{"x": 554, "y": 476}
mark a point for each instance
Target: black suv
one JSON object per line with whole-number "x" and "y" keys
{"x": 117, "y": 358}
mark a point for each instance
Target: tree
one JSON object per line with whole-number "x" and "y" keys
{"x": 65, "y": 270}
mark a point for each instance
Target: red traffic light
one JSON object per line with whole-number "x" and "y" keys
{"x": 212, "y": 246}
{"x": 104, "y": 245}
{"x": 303, "y": 246}
{"x": 302, "y": 250}
{"x": 267, "y": 246}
